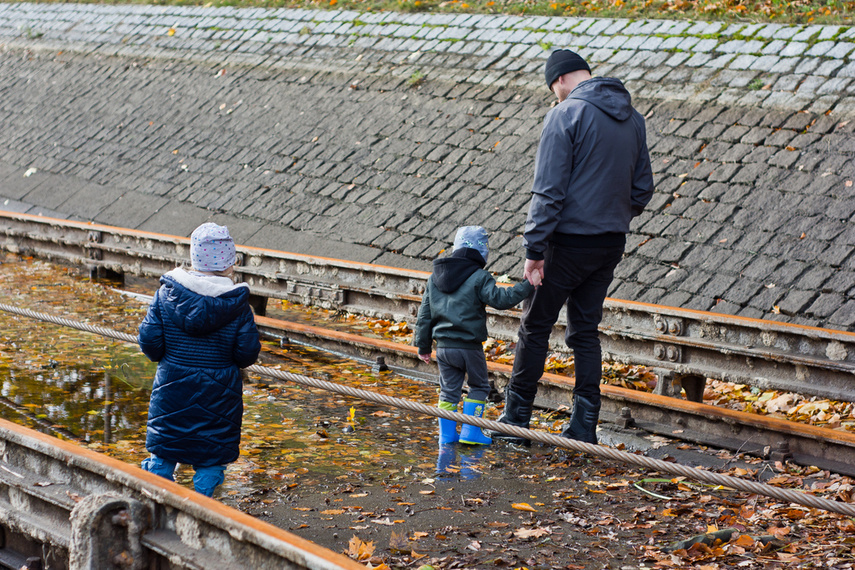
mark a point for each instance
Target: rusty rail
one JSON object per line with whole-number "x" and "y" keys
{"x": 66, "y": 507}
{"x": 684, "y": 347}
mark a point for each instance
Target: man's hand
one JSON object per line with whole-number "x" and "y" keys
{"x": 425, "y": 358}
{"x": 532, "y": 267}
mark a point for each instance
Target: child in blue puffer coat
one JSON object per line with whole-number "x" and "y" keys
{"x": 200, "y": 330}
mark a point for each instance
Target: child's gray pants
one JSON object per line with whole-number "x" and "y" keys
{"x": 454, "y": 364}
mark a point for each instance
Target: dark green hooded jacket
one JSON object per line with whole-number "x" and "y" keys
{"x": 453, "y": 310}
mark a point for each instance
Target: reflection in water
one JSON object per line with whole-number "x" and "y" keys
{"x": 457, "y": 459}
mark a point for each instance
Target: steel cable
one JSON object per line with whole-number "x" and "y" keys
{"x": 787, "y": 495}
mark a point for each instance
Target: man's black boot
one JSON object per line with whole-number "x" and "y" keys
{"x": 583, "y": 422}
{"x": 517, "y": 412}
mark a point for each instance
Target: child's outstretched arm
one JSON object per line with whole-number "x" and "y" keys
{"x": 504, "y": 297}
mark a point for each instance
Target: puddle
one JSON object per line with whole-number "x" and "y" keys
{"x": 95, "y": 390}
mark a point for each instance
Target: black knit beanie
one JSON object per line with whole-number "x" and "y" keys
{"x": 563, "y": 61}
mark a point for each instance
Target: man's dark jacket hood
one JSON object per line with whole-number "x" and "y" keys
{"x": 608, "y": 95}
{"x": 449, "y": 273}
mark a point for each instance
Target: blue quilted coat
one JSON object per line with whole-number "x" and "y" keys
{"x": 201, "y": 331}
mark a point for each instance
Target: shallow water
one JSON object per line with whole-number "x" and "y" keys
{"x": 94, "y": 390}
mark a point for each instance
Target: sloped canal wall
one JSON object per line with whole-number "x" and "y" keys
{"x": 371, "y": 137}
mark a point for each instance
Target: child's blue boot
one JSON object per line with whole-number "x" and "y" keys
{"x": 447, "y": 428}
{"x": 472, "y": 434}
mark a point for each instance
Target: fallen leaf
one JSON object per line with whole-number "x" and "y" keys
{"x": 524, "y": 507}
{"x": 531, "y": 532}
{"x": 359, "y": 550}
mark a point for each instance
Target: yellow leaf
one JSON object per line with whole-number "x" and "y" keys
{"x": 170, "y": 32}
{"x": 524, "y": 507}
{"x": 359, "y": 550}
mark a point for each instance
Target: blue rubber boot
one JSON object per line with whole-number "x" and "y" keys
{"x": 447, "y": 428}
{"x": 472, "y": 434}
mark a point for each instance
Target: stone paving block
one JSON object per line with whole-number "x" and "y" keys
{"x": 47, "y": 213}
{"x": 700, "y": 303}
{"x": 844, "y": 317}
{"x": 14, "y": 182}
{"x": 796, "y": 301}
{"x": 131, "y": 210}
{"x": 390, "y": 259}
{"x": 825, "y": 305}
{"x": 87, "y": 200}
{"x": 175, "y": 218}
{"x": 16, "y": 206}
{"x": 814, "y": 278}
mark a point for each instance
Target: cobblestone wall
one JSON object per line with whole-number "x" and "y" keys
{"x": 373, "y": 136}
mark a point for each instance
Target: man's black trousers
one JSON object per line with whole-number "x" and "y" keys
{"x": 579, "y": 276}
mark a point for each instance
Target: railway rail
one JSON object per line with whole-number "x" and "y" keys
{"x": 683, "y": 347}
{"x": 63, "y": 506}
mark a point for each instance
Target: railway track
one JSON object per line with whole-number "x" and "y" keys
{"x": 627, "y": 411}
{"x": 77, "y": 509}
{"x": 683, "y": 347}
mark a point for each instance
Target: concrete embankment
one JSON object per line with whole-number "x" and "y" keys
{"x": 372, "y": 136}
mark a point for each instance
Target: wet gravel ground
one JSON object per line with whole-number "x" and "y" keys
{"x": 459, "y": 506}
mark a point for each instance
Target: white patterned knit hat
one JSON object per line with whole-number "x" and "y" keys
{"x": 211, "y": 248}
{"x": 474, "y": 237}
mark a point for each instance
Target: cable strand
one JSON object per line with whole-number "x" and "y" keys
{"x": 786, "y": 495}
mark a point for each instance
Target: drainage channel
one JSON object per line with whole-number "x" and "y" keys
{"x": 375, "y": 475}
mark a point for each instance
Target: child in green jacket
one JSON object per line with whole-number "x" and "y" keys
{"x": 453, "y": 313}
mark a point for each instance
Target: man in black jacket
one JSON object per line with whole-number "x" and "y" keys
{"x": 592, "y": 176}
